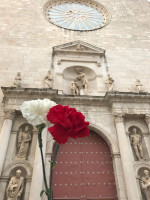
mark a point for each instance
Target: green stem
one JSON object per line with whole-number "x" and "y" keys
{"x": 40, "y": 128}
{"x": 53, "y": 162}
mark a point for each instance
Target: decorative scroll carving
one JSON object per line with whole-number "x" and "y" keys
{"x": 9, "y": 114}
{"x": 48, "y": 80}
{"x": 145, "y": 184}
{"x": 109, "y": 83}
{"x": 15, "y": 187}
{"x": 118, "y": 117}
{"x": 23, "y": 142}
{"x": 17, "y": 81}
{"x": 136, "y": 142}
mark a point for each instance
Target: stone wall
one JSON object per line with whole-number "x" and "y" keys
{"x": 26, "y": 45}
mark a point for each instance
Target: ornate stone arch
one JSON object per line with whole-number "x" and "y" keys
{"x": 100, "y": 130}
{"x": 15, "y": 165}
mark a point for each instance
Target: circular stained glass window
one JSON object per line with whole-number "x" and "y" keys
{"x": 77, "y": 15}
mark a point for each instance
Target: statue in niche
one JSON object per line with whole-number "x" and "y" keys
{"x": 74, "y": 88}
{"x": 109, "y": 83}
{"x": 81, "y": 81}
{"x": 23, "y": 143}
{"x": 15, "y": 187}
{"x": 48, "y": 80}
{"x": 136, "y": 142}
{"x": 17, "y": 82}
{"x": 139, "y": 86}
{"x": 145, "y": 184}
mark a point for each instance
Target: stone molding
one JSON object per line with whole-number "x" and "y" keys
{"x": 111, "y": 99}
{"x": 9, "y": 114}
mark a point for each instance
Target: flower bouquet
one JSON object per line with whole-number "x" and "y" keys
{"x": 67, "y": 123}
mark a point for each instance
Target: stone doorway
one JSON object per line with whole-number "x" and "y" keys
{"x": 84, "y": 170}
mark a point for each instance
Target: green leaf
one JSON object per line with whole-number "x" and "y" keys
{"x": 41, "y": 193}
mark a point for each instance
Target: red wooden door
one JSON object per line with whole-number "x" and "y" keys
{"x": 84, "y": 170}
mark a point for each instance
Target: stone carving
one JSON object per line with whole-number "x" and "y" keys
{"x": 15, "y": 187}
{"x": 79, "y": 47}
{"x": 109, "y": 83}
{"x": 48, "y": 80}
{"x": 136, "y": 142}
{"x": 145, "y": 184}
{"x": 23, "y": 143}
{"x": 74, "y": 88}
{"x": 118, "y": 117}
{"x": 9, "y": 114}
{"x": 81, "y": 81}
{"x": 17, "y": 82}
{"x": 139, "y": 86}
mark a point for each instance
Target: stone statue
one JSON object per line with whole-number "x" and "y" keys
{"x": 48, "y": 80}
{"x": 82, "y": 79}
{"x": 145, "y": 184}
{"x": 136, "y": 142}
{"x": 74, "y": 88}
{"x": 17, "y": 82}
{"x": 23, "y": 143}
{"x": 139, "y": 86}
{"x": 15, "y": 187}
{"x": 109, "y": 83}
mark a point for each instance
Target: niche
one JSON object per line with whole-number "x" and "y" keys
{"x": 17, "y": 187}
{"x": 74, "y": 74}
{"x": 23, "y": 141}
{"x": 143, "y": 177}
{"x": 137, "y": 143}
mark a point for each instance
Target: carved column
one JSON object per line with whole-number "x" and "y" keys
{"x": 5, "y": 134}
{"x": 127, "y": 165}
{"x": 37, "y": 176}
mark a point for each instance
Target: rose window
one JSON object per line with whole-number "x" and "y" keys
{"x": 77, "y": 15}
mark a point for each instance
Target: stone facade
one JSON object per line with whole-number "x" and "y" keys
{"x": 32, "y": 46}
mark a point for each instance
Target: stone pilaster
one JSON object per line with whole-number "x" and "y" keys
{"x": 147, "y": 119}
{"x": 36, "y": 188}
{"x": 127, "y": 165}
{"x": 5, "y": 135}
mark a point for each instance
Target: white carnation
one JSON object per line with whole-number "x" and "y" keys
{"x": 35, "y": 111}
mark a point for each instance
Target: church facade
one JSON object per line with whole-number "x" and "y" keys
{"x": 94, "y": 56}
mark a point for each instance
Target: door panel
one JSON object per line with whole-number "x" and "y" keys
{"x": 84, "y": 170}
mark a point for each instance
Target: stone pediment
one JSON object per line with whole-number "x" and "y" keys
{"x": 78, "y": 47}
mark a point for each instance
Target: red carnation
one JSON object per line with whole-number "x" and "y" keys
{"x": 67, "y": 123}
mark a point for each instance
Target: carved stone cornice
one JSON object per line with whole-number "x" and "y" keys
{"x": 147, "y": 118}
{"x": 118, "y": 117}
{"x": 9, "y": 114}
